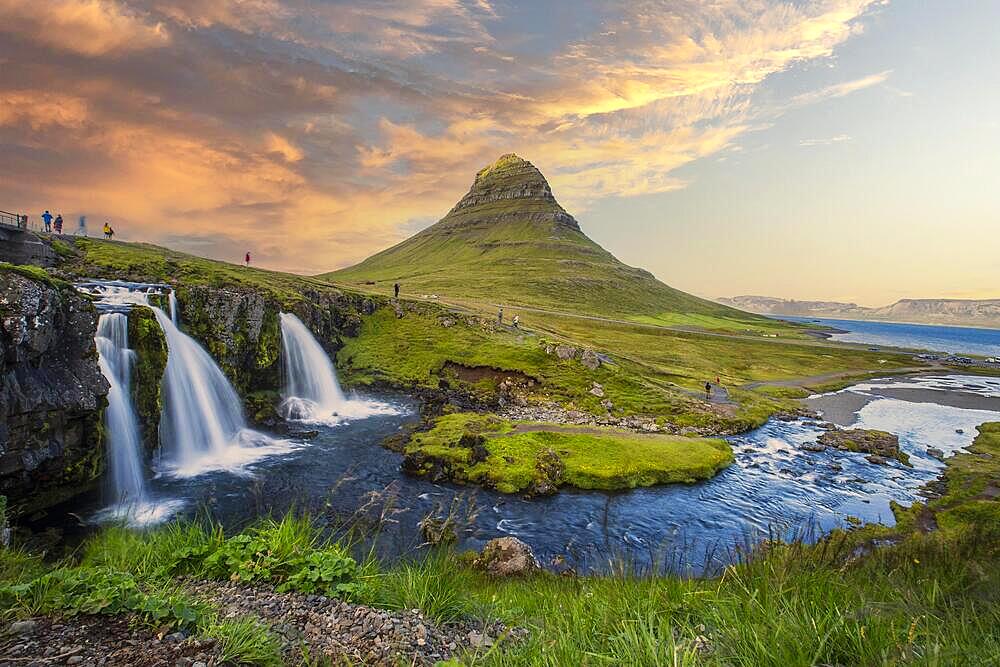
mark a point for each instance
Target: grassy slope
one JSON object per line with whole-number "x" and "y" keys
{"x": 522, "y": 251}
{"x": 588, "y": 458}
{"x": 654, "y": 373}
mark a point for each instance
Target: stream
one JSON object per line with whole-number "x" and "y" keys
{"x": 211, "y": 463}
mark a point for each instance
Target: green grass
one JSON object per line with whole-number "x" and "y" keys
{"x": 656, "y": 372}
{"x": 149, "y": 263}
{"x": 599, "y": 458}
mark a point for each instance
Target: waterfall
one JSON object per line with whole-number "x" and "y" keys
{"x": 311, "y": 392}
{"x": 202, "y": 427}
{"x": 124, "y": 444}
{"x": 172, "y": 301}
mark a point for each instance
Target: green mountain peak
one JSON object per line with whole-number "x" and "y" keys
{"x": 508, "y": 240}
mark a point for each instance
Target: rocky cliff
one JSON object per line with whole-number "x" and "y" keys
{"x": 51, "y": 390}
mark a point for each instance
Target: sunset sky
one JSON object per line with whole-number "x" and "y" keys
{"x": 829, "y": 149}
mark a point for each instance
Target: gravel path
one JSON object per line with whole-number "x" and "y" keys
{"x": 345, "y": 632}
{"x": 341, "y": 632}
{"x": 99, "y": 641}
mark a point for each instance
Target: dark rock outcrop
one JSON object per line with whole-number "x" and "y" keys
{"x": 240, "y": 328}
{"x": 146, "y": 338}
{"x": 52, "y": 391}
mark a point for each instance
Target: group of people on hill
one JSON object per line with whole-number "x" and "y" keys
{"x": 55, "y": 225}
{"x": 51, "y": 224}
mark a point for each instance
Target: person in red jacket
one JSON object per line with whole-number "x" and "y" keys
{"x": 246, "y": 260}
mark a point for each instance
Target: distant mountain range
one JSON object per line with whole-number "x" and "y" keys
{"x": 963, "y": 312}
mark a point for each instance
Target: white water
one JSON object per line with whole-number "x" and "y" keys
{"x": 202, "y": 427}
{"x": 172, "y": 300}
{"x": 312, "y": 393}
{"x": 128, "y": 484}
{"x": 130, "y": 498}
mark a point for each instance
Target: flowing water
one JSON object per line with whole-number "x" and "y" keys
{"x": 213, "y": 463}
{"x": 312, "y": 393}
{"x": 774, "y": 488}
{"x": 202, "y": 427}
{"x": 127, "y": 486}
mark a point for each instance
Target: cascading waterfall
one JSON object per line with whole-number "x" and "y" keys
{"x": 202, "y": 427}
{"x": 131, "y": 500}
{"x": 124, "y": 444}
{"x": 172, "y": 301}
{"x": 312, "y": 393}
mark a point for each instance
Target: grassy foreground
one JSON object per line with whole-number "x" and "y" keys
{"x": 484, "y": 449}
{"x": 922, "y": 598}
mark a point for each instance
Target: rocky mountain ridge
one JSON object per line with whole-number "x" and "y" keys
{"x": 960, "y": 312}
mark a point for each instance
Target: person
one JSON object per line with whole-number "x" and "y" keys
{"x": 107, "y": 230}
{"x": 111, "y": 232}
{"x": 516, "y": 321}
{"x": 58, "y": 224}
{"x": 395, "y": 288}
{"x": 500, "y": 315}
{"x": 708, "y": 390}
{"x": 717, "y": 380}
{"x": 246, "y": 260}
{"x": 47, "y": 219}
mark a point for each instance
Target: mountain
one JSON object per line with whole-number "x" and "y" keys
{"x": 509, "y": 241}
{"x": 962, "y": 312}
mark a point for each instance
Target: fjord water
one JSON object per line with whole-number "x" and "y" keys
{"x": 932, "y": 337}
{"x": 202, "y": 427}
{"x": 312, "y": 393}
{"x": 124, "y": 445}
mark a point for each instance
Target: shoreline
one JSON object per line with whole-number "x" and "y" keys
{"x": 841, "y": 407}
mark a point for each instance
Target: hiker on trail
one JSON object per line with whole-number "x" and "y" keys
{"x": 58, "y": 224}
{"x": 107, "y": 230}
{"x": 395, "y": 288}
{"x": 516, "y": 321}
{"x": 500, "y": 316}
{"x": 708, "y": 390}
{"x": 246, "y": 260}
{"x": 47, "y": 219}
{"x": 111, "y": 232}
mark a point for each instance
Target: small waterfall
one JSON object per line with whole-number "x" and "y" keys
{"x": 124, "y": 444}
{"x": 172, "y": 301}
{"x": 312, "y": 393}
{"x": 202, "y": 427}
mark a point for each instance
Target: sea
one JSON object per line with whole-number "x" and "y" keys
{"x": 930, "y": 337}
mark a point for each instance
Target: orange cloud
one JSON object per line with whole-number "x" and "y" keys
{"x": 311, "y": 133}
{"x": 86, "y": 27}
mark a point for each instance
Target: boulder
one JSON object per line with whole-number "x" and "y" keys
{"x": 506, "y": 557}
{"x": 597, "y": 390}
{"x": 566, "y": 352}
{"x": 590, "y": 359}
{"x": 936, "y": 453}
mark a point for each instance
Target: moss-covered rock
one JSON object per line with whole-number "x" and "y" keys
{"x": 146, "y": 338}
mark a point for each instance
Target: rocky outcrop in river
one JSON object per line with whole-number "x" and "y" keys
{"x": 51, "y": 390}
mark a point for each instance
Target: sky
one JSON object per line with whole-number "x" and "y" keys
{"x": 829, "y": 149}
